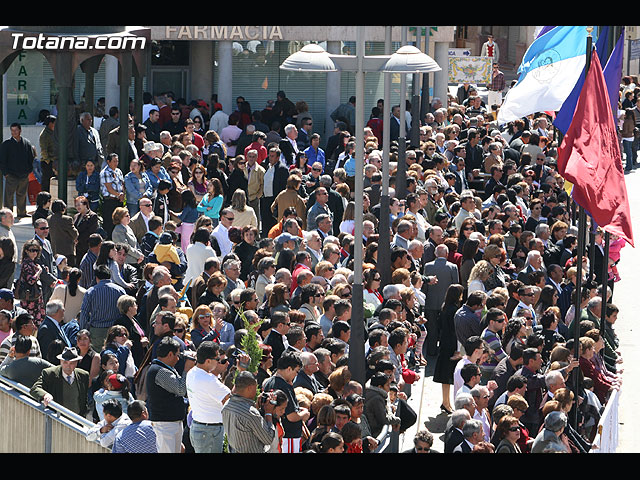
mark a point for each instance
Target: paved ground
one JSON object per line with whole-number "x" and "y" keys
{"x": 625, "y": 296}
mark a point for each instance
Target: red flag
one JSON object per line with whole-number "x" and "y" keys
{"x": 590, "y": 158}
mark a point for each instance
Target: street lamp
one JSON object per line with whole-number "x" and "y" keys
{"x": 313, "y": 58}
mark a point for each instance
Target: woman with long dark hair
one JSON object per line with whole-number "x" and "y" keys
{"x": 449, "y": 353}
{"x": 188, "y": 218}
{"x": 212, "y": 202}
{"x": 29, "y": 288}
{"x": 107, "y": 256}
{"x": 469, "y": 252}
{"x": 70, "y": 294}
{"x": 237, "y": 178}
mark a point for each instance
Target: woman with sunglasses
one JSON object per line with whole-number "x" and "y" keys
{"x": 301, "y": 163}
{"x": 198, "y": 184}
{"x": 202, "y": 326}
{"x": 29, "y": 288}
{"x": 466, "y": 228}
{"x": 181, "y": 330}
{"x": 117, "y": 342}
{"x": 508, "y": 434}
{"x": 371, "y": 278}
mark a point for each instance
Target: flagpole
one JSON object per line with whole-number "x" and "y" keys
{"x": 582, "y": 234}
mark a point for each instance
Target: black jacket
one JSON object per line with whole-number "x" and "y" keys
{"x": 16, "y": 158}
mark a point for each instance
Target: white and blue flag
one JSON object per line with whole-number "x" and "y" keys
{"x": 549, "y": 70}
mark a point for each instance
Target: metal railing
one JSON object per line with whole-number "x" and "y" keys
{"x": 27, "y": 426}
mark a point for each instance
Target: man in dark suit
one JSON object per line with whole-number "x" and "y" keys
{"x": 275, "y": 181}
{"x": 447, "y": 274}
{"x": 453, "y": 436}
{"x": 51, "y": 327}
{"x": 474, "y": 158}
{"x": 375, "y": 190}
{"x": 49, "y": 275}
{"x": 473, "y": 434}
{"x": 63, "y": 233}
{"x": 64, "y": 384}
{"x": 462, "y": 181}
{"x": 334, "y": 203}
{"x": 277, "y": 339}
{"x": 288, "y": 145}
{"x": 394, "y": 124}
{"x": 333, "y": 142}
{"x": 305, "y": 377}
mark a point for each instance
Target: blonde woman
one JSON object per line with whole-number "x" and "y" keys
{"x": 243, "y": 213}
{"x": 480, "y": 272}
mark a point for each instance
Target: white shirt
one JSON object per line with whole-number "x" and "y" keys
{"x": 205, "y": 393}
{"x": 222, "y": 235}
{"x": 146, "y": 108}
{"x": 228, "y": 134}
{"x": 268, "y": 181}
{"x": 486, "y": 424}
{"x": 197, "y": 254}
{"x": 458, "y": 382}
{"x": 219, "y": 121}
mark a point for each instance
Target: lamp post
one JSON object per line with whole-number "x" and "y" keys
{"x": 313, "y": 58}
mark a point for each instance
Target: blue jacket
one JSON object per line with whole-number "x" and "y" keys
{"x": 89, "y": 187}
{"x": 133, "y": 190}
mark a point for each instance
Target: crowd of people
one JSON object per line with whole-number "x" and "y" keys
{"x": 200, "y": 300}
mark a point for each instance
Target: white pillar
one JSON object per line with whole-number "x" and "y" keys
{"x": 202, "y": 70}
{"x": 225, "y": 76}
{"x": 332, "y": 93}
{"x": 441, "y": 78}
{"x": 111, "y": 90}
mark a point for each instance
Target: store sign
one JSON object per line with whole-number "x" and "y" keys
{"x": 24, "y": 89}
{"x": 221, "y": 32}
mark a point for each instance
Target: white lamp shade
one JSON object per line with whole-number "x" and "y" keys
{"x": 409, "y": 59}
{"x": 310, "y": 58}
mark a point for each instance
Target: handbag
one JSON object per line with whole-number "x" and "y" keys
{"x": 140, "y": 378}
{"x": 29, "y": 294}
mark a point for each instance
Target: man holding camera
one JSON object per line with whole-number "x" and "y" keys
{"x": 248, "y": 431}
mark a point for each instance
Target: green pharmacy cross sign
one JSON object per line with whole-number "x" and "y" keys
{"x": 423, "y": 30}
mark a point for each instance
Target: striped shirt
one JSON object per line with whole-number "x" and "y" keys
{"x": 87, "y": 278}
{"x": 100, "y": 305}
{"x": 247, "y": 431}
{"x": 10, "y": 341}
{"x": 498, "y": 354}
{"x": 138, "y": 437}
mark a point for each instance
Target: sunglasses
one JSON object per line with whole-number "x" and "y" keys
{"x": 178, "y": 330}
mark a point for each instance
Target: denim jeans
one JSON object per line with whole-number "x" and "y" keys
{"x": 628, "y": 152}
{"x": 206, "y": 438}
